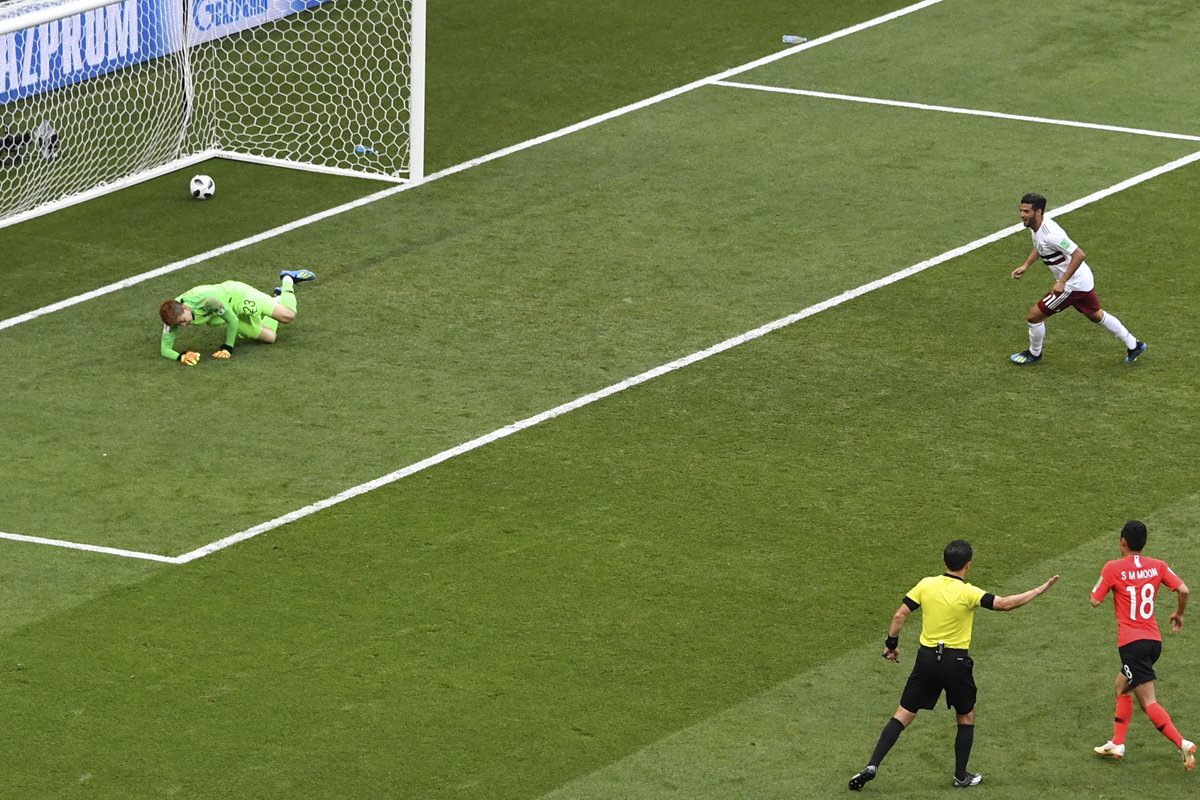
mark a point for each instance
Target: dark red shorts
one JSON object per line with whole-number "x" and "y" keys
{"x": 1084, "y": 302}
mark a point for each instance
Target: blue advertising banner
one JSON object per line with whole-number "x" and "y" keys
{"x": 75, "y": 48}
{"x": 81, "y": 46}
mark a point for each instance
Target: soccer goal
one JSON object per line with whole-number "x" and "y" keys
{"x": 96, "y": 95}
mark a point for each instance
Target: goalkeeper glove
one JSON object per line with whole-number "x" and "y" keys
{"x": 190, "y": 358}
{"x": 225, "y": 352}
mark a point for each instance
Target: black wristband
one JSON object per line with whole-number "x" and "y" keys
{"x": 891, "y": 642}
{"x": 180, "y": 356}
{"x": 228, "y": 348}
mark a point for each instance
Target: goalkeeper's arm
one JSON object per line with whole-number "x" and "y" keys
{"x": 167, "y": 348}
{"x": 227, "y": 314}
{"x": 231, "y": 327}
{"x": 166, "y": 345}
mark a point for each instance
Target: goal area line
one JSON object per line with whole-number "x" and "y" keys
{"x": 608, "y": 391}
{"x": 971, "y": 112}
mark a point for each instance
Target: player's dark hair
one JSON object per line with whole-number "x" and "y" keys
{"x": 1036, "y": 200}
{"x": 1134, "y": 534}
{"x": 957, "y": 554}
{"x": 171, "y": 312}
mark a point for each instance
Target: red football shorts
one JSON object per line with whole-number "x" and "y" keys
{"x": 1084, "y": 302}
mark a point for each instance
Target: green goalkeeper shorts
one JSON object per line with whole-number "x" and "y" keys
{"x": 253, "y": 309}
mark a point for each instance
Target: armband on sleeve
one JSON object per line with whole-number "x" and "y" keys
{"x": 913, "y": 605}
{"x": 987, "y": 600}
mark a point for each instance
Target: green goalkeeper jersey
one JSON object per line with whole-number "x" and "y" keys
{"x": 210, "y": 305}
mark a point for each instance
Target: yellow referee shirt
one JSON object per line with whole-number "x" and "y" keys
{"x": 947, "y": 608}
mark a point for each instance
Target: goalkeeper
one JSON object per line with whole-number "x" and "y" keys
{"x": 245, "y": 312}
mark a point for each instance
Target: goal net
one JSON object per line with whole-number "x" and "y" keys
{"x": 96, "y": 95}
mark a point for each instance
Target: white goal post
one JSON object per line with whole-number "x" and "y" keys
{"x": 96, "y": 95}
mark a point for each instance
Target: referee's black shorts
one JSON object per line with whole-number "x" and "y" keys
{"x": 953, "y": 673}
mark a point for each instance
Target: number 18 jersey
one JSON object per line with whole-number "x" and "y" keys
{"x": 1134, "y": 582}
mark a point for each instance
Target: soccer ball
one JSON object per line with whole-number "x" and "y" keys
{"x": 202, "y": 187}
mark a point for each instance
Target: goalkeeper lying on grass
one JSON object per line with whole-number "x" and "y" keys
{"x": 245, "y": 312}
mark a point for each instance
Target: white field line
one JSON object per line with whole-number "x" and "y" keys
{"x": 608, "y": 391}
{"x": 507, "y": 151}
{"x": 971, "y": 112}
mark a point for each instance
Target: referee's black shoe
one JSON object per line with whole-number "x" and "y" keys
{"x": 972, "y": 779}
{"x": 860, "y": 780}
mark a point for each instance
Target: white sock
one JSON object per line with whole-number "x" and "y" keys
{"x": 1113, "y": 325}
{"x": 1037, "y": 335}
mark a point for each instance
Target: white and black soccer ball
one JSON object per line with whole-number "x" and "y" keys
{"x": 202, "y": 187}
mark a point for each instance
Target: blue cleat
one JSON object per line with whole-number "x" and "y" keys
{"x": 1024, "y": 357}
{"x": 1134, "y": 352}
{"x": 298, "y": 275}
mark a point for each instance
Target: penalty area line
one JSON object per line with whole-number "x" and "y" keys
{"x": 664, "y": 369}
{"x": 608, "y": 391}
{"x": 91, "y": 548}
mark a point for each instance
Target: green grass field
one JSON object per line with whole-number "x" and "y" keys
{"x": 678, "y": 591}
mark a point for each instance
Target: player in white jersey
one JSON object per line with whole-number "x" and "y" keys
{"x": 1074, "y": 284}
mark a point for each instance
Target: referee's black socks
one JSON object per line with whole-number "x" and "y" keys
{"x": 962, "y": 749}
{"x": 891, "y": 732}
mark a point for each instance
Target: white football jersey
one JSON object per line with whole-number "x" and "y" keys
{"x": 1055, "y": 249}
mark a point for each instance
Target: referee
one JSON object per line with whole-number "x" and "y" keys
{"x": 948, "y": 604}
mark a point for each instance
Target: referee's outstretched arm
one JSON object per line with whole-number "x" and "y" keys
{"x": 1009, "y": 602}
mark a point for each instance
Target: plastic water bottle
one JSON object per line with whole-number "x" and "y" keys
{"x": 792, "y": 39}
{"x": 362, "y": 150}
